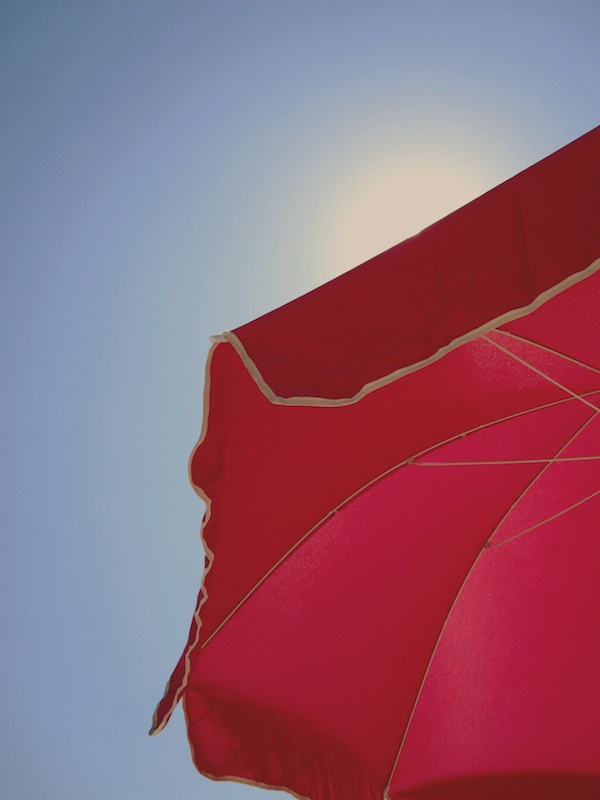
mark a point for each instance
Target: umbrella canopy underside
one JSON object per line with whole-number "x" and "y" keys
{"x": 402, "y": 478}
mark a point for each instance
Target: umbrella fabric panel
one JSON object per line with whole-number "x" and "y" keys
{"x": 495, "y": 255}
{"x": 350, "y": 605}
{"x": 512, "y": 696}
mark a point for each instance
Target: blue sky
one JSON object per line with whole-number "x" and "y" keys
{"x": 173, "y": 169}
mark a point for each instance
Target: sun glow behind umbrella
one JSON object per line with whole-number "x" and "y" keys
{"x": 398, "y": 196}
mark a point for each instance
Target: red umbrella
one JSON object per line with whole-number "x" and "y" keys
{"x": 402, "y": 478}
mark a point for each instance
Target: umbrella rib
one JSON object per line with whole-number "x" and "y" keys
{"x": 544, "y": 521}
{"x": 542, "y": 374}
{"x": 551, "y": 350}
{"x": 426, "y": 673}
{"x": 507, "y": 462}
{"x": 484, "y": 548}
{"x": 530, "y": 485}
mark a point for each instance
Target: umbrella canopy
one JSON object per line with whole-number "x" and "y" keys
{"x": 402, "y": 478}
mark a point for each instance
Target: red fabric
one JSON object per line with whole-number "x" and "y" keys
{"x": 495, "y": 254}
{"x": 404, "y": 589}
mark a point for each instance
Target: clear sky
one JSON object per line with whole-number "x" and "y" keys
{"x": 170, "y": 170}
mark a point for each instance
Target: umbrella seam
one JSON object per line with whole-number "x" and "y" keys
{"x": 503, "y": 319}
